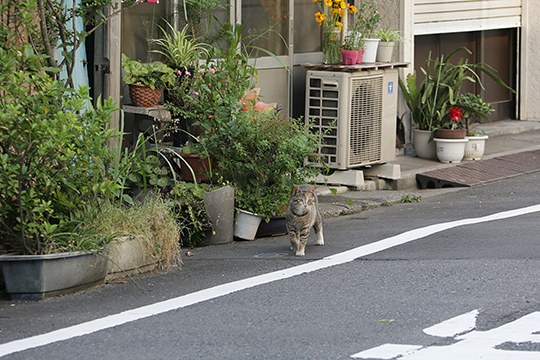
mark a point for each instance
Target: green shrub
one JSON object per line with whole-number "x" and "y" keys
{"x": 53, "y": 154}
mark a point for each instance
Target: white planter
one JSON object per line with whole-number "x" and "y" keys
{"x": 385, "y": 51}
{"x": 450, "y": 151}
{"x": 474, "y": 148}
{"x": 246, "y": 225}
{"x": 370, "y": 50}
{"x": 424, "y": 148}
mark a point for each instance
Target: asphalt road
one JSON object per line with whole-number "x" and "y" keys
{"x": 323, "y": 306}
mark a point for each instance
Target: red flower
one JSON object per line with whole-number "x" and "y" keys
{"x": 455, "y": 113}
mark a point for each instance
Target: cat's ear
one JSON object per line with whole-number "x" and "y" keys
{"x": 296, "y": 189}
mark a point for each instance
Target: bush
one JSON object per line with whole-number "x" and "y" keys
{"x": 53, "y": 154}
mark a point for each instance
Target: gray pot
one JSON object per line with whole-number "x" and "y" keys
{"x": 219, "y": 206}
{"x": 34, "y": 277}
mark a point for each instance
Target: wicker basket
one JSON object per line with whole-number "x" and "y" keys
{"x": 143, "y": 96}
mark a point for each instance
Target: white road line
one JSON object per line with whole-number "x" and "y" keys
{"x": 225, "y": 289}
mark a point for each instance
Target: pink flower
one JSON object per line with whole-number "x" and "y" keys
{"x": 212, "y": 70}
{"x": 188, "y": 73}
{"x": 179, "y": 72}
{"x": 196, "y": 93}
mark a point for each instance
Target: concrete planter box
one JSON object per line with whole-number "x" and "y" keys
{"x": 34, "y": 277}
{"x": 129, "y": 256}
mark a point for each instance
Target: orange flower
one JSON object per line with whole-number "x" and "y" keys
{"x": 352, "y": 9}
{"x": 319, "y": 18}
{"x": 328, "y": 2}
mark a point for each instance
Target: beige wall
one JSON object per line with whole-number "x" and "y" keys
{"x": 530, "y": 77}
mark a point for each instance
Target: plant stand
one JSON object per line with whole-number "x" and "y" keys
{"x": 474, "y": 148}
{"x": 34, "y": 277}
{"x": 450, "y": 151}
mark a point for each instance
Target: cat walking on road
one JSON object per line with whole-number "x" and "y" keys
{"x": 302, "y": 215}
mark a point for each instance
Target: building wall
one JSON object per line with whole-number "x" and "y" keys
{"x": 530, "y": 89}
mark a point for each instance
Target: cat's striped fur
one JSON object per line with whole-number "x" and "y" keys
{"x": 302, "y": 215}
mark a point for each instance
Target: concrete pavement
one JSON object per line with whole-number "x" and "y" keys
{"x": 505, "y": 138}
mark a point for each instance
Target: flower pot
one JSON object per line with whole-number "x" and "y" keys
{"x": 219, "y": 206}
{"x": 246, "y": 225}
{"x": 370, "y": 50}
{"x": 144, "y": 96}
{"x": 275, "y": 227}
{"x": 360, "y": 56}
{"x": 450, "y": 134}
{"x": 384, "y": 51}
{"x": 474, "y": 148}
{"x": 201, "y": 168}
{"x": 450, "y": 151}
{"x": 424, "y": 148}
{"x": 34, "y": 277}
{"x": 349, "y": 57}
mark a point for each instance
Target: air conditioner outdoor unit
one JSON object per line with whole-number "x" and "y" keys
{"x": 355, "y": 112}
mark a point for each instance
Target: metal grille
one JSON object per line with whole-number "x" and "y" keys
{"x": 365, "y": 120}
{"x": 323, "y": 118}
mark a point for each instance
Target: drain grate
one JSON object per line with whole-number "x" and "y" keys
{"x": 478, "y": 172}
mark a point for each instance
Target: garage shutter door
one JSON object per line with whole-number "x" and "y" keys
{"x": 443, "y": 16}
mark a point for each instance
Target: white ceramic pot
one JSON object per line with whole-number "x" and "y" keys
{"x": 424, "y": 148}
{"x": 246, "y": 225}
{"x": 474, "y": 148}
{"x": 370, "y": 50}
{"x": 450, "y": 151}
{"x": 384, "y": 51}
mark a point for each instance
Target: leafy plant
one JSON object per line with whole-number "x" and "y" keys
{"x": 264, "y": 159}
{"x": 474, "y": 107}
{"x": 154, "y": 75}
{"x": 388, "y": 35}
{"x": 430, "y": 100}
{"x": 53, "y": 147}
{"x": 180, "y": 50}
{"x": 54, "y": 29}
{"x": 368, "y": 19}
{"x": 197, "y": 12}
{"x": 411, "y": 198}
{"x": 187, "y": 199}
{"x": 353, "y": 41}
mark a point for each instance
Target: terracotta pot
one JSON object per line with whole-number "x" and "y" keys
{"x": 202, "y": 168}
{"x": 450, "y": 134}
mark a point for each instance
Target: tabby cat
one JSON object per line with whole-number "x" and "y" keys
{"x": 302, "y": 215}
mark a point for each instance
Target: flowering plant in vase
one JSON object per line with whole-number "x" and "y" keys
{"x": 329, "y": 17}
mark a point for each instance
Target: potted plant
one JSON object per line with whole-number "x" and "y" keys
{"x": 53, "y": 144}
{"x": 146, "y": 80}
{"x": 367, "y": 22}
{"x": 430, "y": 100}
{"x": 350, "y": 51}
{"x": 389, "y": 37}
{"x": 267, "y": 159}
{"x": 474, "y": 107}
{"x": 180, "y": 50}
{"x": 450, "y": 137}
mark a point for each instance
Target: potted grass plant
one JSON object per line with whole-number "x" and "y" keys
{"x": 389, "y": 37}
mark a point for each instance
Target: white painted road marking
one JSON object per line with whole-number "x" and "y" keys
{"x": 474, "y": 345}
{"x": 225, "y": 289}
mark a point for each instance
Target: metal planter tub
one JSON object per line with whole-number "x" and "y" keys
{"x": 34, "y": 277}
